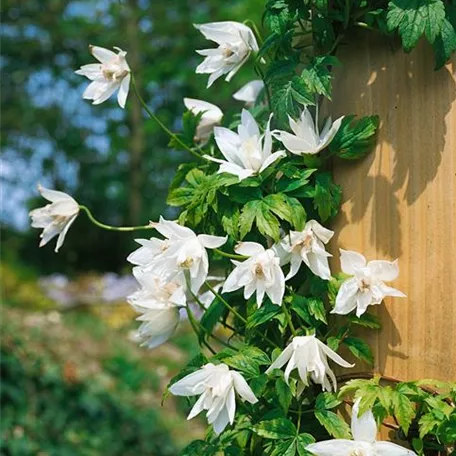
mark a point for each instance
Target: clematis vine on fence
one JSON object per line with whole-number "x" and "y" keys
{"x": 257, "y": 204}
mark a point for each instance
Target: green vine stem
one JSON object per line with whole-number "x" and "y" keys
{"x": 114, "y": 228}
{"x": 160, "y": 123}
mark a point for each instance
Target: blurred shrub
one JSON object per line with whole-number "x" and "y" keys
{"x": 47, "y": 411}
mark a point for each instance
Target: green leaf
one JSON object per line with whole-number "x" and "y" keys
{"x": 267, "y": 224}
{"x": 284, "y": 448}
{"x": 327, "y": 197}
{"x": 199, "y": 447}
{"x": 413, "y": 18}
{"x": 258, "y": 384}
{"x": 303, "y": 440}
{"x": 355, "y": 138}
{"x": 360, "y": 349}
{"x": 283, "y": 394}
{"x": 335, "y": 425}
{"x": 298, "y": 213}
{"x": 279, "y": 428}
{"x": 403, "y": 410}
{"x": 231, "y": 221}
{"x": 327, "y": 401}
{"x": 317, "y": 309}
{"x": 262, "y": 315}
{"x": 248, "y": 360}
{"x": 366, "y": 320}
{"x": 213, "y": 314}
{"x": 318, "y": 75}
{"x": 277, "y": 203}
{"x": 445, "y": 43}
{"x": 247, "y": 217}
{"x": 333, "y": 343}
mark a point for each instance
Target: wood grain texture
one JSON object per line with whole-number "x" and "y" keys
{"x": 400, "y": 201}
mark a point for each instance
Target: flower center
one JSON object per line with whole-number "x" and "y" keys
{"x": 164, "y": 246}
{"x": 358, "y": 452}
{"x": 59, "y": 220}
{"x": 305, "y": 243}
{"x": 259, "y": 272}
{"x": 364, "y": 285}
{"x": 187, "y": 264}
{"x": 113, "y": 73}
{"x": 227, "y": 52}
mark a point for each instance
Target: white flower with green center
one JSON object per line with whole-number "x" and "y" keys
{"x": 182, "y": 252}
{"x": 364, "y": 443}
{"x": 235, "y": 43}
{"x": 217, "y": 387}
{"x": 111, "y": 74}
{"x": 306, "y": 138}
{"x": 211, "y": 116}
{"x": 158, "y": 302}
{"x": 307, "y": 246}
{"x": 246, "y": 152}
{"x": 309, "y": 355}
{"x": 56, "y": 218}
{"x": 249, "y": 92}
{"x": 260, "y": 274}
{"x": 366, "y": 287}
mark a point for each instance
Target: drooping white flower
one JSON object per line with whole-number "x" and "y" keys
{"x": 261, "y": 273}
{"x": 111, "y": 74}
{"x": 366, "y": 287}
{"x": 364, "y": 431}
{"x": 235, "y": 41}
{"x": 249, "y": 92}
{"x": 181, "y": 251}
{"x": 158, "y": 302}
{"x": 56, "y": 218}
{"x": 246, "y": 152}
{"x": 309, "y": 355}
{"x": 308, "y": 246}
{"x": 212, "y": 115}
{"x": 217, "y": 386}
{"x": 306, "y": 138}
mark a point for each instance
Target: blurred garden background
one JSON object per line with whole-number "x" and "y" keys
{"x": 73, "y": 380}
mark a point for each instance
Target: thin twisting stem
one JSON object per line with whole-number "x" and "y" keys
{"x": 113, "y": 228}
{"x": 161, "y": 124}
{"x": 230, "y": 255}
{"x": 236, "y": 313}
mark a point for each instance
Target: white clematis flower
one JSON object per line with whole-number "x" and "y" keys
{"x": 158, "y": 302}
{"x": 56, "y": 218}
{"x": 306, "y": 138}
{"x": 182, "y": 251}
{"x": 366, "y": 287}
{"x": 111, "y": 74}
{"x": 235, "y": 41}
{"x": 309, "y": 356}
{"x": 364, "y": 430}
{"x": 246, "y": 152}
{"x": 249, "y": 92}
{"x": 261, "y": 273}
{"x": 212, "y": 115}
{"x": 308, "y": 246}
{"x": 217, "y": 386}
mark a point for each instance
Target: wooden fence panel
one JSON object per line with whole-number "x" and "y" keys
{"x": 400, "y": 201}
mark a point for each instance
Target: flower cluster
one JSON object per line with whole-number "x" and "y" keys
{"x": 172, "y": 270}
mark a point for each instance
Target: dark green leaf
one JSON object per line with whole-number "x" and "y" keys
{"x": 283, "y": 394}
{"x": 360, "y": 349}
{"x": 279, "y": 428}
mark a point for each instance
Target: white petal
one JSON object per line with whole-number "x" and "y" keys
{"x": 333, "y": 355}
{"x": 103, "y": 55}
{"x": 271, "y": 159}
{"x": 248, "y": 125}
{"x": 232, "y": 281}
{"x": 242, "y": 388}
{"x": 248, "y": 248}
{"x": 236, "y": 170}
{"x": 384, "y": 270}
{"x": 198, "y": 407}
{"x": 123, "y": 91}
{"x": 54, "y": 195}
{"x": 250, "y": 91}
{"x": 339, "y": 447}
{"x": 319, "y": 265}
{"x": 62, "y": 235}
{"x": 364, "y": 428}
{"x": 326, "y": 139}
{"x": 391, "y": 449}
{"x": 107, "y": 92}
{"x": 221, "y": 422}
{"x": 192, "y": 384}
{"x": 160, "y": 326}
{"x": 231, "y": 405}
{"x": 294, "y": 144}
{"x": 173, "y": 230}
{"x": 229, "y": 143}
{"x": 351, "y": 261}
{"x": 320, "y": 231}
{"x": 209, "y": 110}
{"x": 282, "y": 359}
{"x": 389, "y": 291}
{"x": 212, "y": 242}
{"x": 346, "y": 297}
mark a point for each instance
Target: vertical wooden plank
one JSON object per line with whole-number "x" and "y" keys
{"x": 400, "y": 202}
